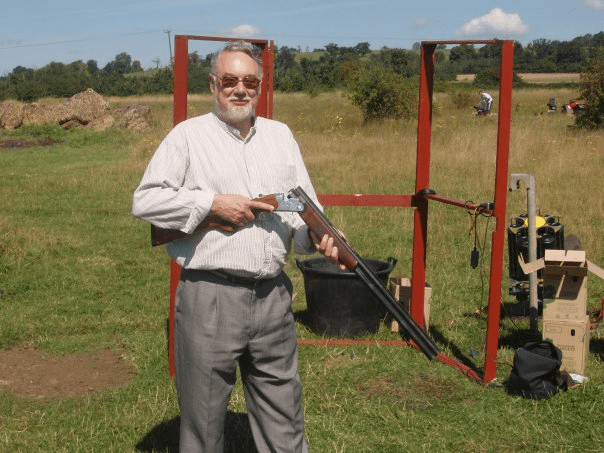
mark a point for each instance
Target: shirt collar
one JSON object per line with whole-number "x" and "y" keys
{"x": 234, "y": 132}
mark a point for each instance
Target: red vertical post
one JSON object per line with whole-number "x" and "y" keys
{"x": 269, "y": 65}
{"x": 181, "y": 78}
{"x": 265, "y": 103}
{"x": 179, "y": 113}
{"x": 501, "y": 189}
{"x": 422, "y": 181}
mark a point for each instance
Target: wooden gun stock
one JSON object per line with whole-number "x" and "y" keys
{"x": 160, "y": 236}
{"x": 320, "y": 225}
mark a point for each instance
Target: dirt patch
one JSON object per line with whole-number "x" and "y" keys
{"x": 30, "y": 373}
{"x": 25, "y": 143}
{"x": 420, "y": 393}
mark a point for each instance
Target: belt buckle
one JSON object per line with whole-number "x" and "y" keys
{"x": 243, "y": 281}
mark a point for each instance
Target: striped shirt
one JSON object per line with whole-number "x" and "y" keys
{"x": 203, "y": 156}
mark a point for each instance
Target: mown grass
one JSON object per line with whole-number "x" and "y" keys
{"x": 77, "y": 274}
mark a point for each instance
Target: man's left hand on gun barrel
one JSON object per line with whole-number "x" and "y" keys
{"x": 325, "y": 245}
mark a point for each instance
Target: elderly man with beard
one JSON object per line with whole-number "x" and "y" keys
{"x": 233, "y": 301}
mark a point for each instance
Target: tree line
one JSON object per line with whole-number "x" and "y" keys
{"x": 323, "y": 69}
{"x": 332, "y": 67}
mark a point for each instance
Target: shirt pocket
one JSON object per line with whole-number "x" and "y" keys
{"x": 278, "y": 178}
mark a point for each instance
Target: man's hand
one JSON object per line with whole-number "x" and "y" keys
{"x": 325, "y": 246}
{"x": 237, "y": 209}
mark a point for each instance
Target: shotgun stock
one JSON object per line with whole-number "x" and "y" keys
{"x": 161, "y": 236}
{"x": 320, "y": 225}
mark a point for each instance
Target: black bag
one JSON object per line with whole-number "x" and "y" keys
{"x": 536, "y": 372}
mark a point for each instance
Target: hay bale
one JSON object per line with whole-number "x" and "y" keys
{"x": 133, "y": 117}
{"x": 11, "y": 114}
{"x": 142, "y": 110}
{"x": 102, "y": 123}
{"x": 87, "y": 105}
{"x": 38, "y": 114}
{"x": 87, "y": 108}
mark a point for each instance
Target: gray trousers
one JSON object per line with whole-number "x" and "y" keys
{"x": 219, "y": 325}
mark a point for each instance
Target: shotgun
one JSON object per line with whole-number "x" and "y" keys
{"x": 320, "y": 225}
{"x": 278, "y": 201}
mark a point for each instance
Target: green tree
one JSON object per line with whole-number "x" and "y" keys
{"x": 93, "y": 67}
{"x": 592, "y": 91}
{"x": 462, "y": 52}
{"x": 285, "y": 61}
{"x": 136, "y": 66}
{"x": 122, "y": 64}
{"x": 490, "y": 78}
{"x": 362, "y": 48}
{"x": 383, "y": 94}
{"x": 29, "y": 91}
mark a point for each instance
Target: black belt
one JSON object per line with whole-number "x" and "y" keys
{"x": 236, "y": 280}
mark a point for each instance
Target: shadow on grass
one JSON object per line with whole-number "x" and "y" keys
{"x": 303, "y": 317}
{"x": 455, "y": 351}
{"x": 163, "y": 438}
{"x": 518, "y": 337}
{"x": 596, "y": 347}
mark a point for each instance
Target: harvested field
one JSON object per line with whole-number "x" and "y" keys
{"x": 562, "y": 77}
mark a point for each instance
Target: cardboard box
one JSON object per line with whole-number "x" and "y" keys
{"x": 401, "y": 290}
{"x": 564, "y": 283}
{"x": 572, "y": 337}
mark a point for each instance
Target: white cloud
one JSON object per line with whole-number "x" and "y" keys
{"x": 422, "y": 22}
{"x": 496, "y": 23}
{"x": 594, "y": 4}
{"x": 243, "y": 31}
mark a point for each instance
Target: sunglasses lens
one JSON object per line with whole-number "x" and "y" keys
{"x": 229, "y": 82}
{"x": 251, "y": 83}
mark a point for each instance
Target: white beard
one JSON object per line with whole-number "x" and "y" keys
{"x": 235, "y": 114}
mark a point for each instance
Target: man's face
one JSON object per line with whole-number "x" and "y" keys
{"x": 235, "y": 104}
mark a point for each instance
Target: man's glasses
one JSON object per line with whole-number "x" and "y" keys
{"x": 250, "y": 82}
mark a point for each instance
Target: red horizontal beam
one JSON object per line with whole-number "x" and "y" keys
{"x": 352, "y": 342}
{"x": 365, "y": 200}
{"x": 460, "y": 203}
{"x": 463, "y": 41}
{"x": 222, "y": 39}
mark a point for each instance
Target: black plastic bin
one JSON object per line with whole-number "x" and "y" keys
{"x": 338, "y": 303}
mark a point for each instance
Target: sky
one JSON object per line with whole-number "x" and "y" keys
{"x": 34, "y": 33}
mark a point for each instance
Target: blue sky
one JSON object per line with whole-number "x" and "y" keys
{"x": 34, "y": 33}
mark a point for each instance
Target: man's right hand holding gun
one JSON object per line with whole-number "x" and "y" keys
{"x": 238, "y": 209}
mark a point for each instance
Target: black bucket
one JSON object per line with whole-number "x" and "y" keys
{"x": 338, "y": 303}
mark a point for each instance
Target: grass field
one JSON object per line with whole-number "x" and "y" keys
{"x": 77, "y": 276}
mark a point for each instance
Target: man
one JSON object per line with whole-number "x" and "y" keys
{"x": 487, "y": 101}
{"x": 233, "y": 302}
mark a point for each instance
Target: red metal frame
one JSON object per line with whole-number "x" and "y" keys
{"x": 419, "y": 202}
{"x": 420, "y": 236}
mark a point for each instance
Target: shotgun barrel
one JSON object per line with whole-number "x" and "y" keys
{"x": 319, "y": 224}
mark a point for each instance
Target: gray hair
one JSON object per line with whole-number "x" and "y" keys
{"x": 239, "y": 46}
